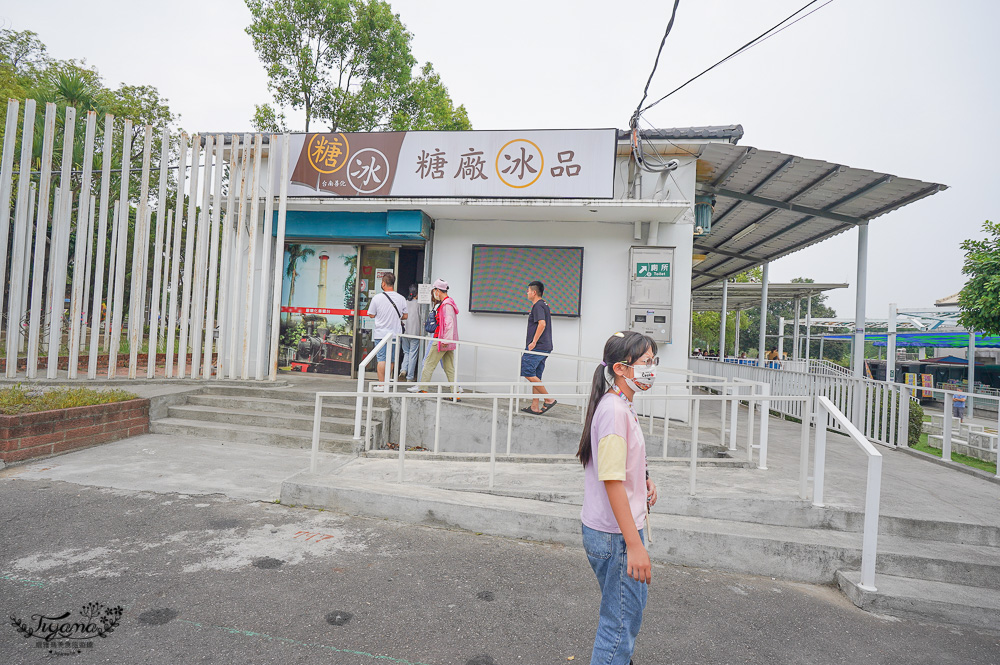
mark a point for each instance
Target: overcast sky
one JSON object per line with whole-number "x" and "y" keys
{"x": 907, "y": 87}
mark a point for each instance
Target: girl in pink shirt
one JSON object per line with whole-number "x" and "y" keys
{"x": 617, "y": 493}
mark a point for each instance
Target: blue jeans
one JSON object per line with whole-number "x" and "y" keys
{"x": 622, "y": 598}
{"x": 411, "y": 349}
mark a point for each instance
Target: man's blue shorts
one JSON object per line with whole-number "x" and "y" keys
{"x": 381, "y": 355}
{"x": 532, "y": 365}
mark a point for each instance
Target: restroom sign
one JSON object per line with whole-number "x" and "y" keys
{"x": 652, "y": 269}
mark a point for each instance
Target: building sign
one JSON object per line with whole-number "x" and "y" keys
{"x": 652, "y": 270}
{"x": 477, "y": 164}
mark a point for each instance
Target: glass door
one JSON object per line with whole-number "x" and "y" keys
{"x": 375, "y": 260}
{"x": 317, "y": 307}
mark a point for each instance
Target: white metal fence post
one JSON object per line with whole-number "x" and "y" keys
{"x": 765, "y": 413}
{"x": 946, "y": 439}
{"x": 819, "y": 463}
{"x": 696, "y": 411}
{"x": 402, "y": 435}
{"x": 870, "y": 542}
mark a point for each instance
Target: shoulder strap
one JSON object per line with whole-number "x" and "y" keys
{"x": 393, "y": 305}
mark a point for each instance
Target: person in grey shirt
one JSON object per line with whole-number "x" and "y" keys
{"x": 411, "y": 347}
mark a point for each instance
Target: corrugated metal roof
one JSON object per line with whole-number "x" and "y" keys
{"x": 731, "y": 133}
{"x": 770, "y": 204}
{"x": 744, "y": 295}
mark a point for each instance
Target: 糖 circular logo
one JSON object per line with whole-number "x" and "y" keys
{"x": 328, "y": 152}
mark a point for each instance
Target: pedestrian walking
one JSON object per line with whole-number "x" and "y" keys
{"x": 618, "y": 493}
{"x": 445, "y": 335}
{"x": 539, "y": 338}
{"x": 411, "y": 347}
{"x": 958, "y": 405}
{"x": 389, "y": 312}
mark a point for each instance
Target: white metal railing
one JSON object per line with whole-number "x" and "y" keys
{"x": 872, "y": 406}
{"x": 498, "y": 391}
{"x": 873, "y": 486}
{"x": 948, "y": 439}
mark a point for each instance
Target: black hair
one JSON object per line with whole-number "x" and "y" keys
{"x": 622, "y": 347}
{"x": 413, "y": 290}
{"x": 538, "y": 287}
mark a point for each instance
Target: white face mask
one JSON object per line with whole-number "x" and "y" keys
{"x": 643, "y": 380}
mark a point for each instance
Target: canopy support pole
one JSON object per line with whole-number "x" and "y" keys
{"x": 763, "y": 316}
{"x": 890, "y": 346}
{"x": 859, "y": 302}
{"x": 972, "y": 374}
{"x": 795, "y": 330}
{"x": 722, "y": 319}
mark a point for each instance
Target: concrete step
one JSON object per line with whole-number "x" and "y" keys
{"x": 282, "y": 406}
{"x": 801, "y": 514}
{"x": 287, "y": 394}
{"x": 244, "y": 417}
{"x": 804, "y": 554}
{"x": 924, "y": 600}
{"x": 202, "y": 429}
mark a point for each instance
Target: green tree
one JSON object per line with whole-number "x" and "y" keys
{"x": 345, "y": 62}
{"x": 296, "y": 253}
{"x": 979, "y": 299}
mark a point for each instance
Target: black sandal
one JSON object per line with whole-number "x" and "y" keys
{"x": 546, "y": 407}
{"x": 528, "y": 409}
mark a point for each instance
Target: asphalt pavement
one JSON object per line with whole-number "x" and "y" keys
{"x": 208, "y": 578}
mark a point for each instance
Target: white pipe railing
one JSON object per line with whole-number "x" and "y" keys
{"x": 502, "y": 391}
{"x": 873, "y": 486}
{"x": 908, "y": 392}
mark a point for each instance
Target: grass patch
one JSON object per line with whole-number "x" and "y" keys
{"x": 974, "y": 462}
{"x": 18, "y": 399}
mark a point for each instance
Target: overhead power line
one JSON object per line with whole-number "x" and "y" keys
{"x": 767, "y": 34}
{"x": 645, "y": 91}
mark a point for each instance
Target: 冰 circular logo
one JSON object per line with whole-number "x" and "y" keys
{"x": 519, "y": 163}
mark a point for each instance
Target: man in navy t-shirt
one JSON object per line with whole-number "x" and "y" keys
{"x": 539, "y": 338}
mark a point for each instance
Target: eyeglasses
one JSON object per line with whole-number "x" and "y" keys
{"x": 652, "y": 362}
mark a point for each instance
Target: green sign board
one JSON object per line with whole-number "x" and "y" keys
{"x": 652, "y": 270}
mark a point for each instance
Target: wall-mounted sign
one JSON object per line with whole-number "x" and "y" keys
{"x": 652, "y": 270}
{"x": 576, "y": 163}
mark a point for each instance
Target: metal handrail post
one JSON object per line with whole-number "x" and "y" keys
{"x": 804, "y": 451}
{"x": 997, "y": 444}
{"x": 666, "y": 424}
{"x": 765, "y": 412}
{"x": 750, "y": 409}
{"x": 437, "y": 420}
{"x": 724, "y": 390}
{"x": 819, "y": 464}
{"x": 493, "y": 443}
{"x": 510, "y": 419}
{"x": 317, "y": 416}
{"x": 402, "y": 436}
{"x": 695, "y": 412}
{"x": 903, "y": 432}
{"x": 369, "y": 437}
{"x": 946, "y": 438}
{"x": 870, "y": 542}
{"x": 734, "y": 406}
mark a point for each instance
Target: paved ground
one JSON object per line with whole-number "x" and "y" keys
{"x": 208, "y": 579}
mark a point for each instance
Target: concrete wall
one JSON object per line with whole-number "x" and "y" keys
{"x": 605, "y": 293}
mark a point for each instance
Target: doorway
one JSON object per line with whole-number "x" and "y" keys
{"x": 325, "y": 326}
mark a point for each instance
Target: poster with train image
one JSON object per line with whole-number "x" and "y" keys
{"x": 317, "y": 306}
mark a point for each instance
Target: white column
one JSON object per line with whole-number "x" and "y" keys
{"x": 859, "y": 303}
{"x": 890, "y": 346}
{"x": 795, "y": 330}
{"x": 972, "y": 374}
{"x": 781, "y": 337}
{"x": 736, "y": 334}
{"x": 809, "y": 316}
{"x": 722, "y": 319}
{"x": 763, "y": 317}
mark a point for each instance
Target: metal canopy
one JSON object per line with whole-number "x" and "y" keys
{"x": 770, "y": 204}
{"x": 744, "y": 295}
